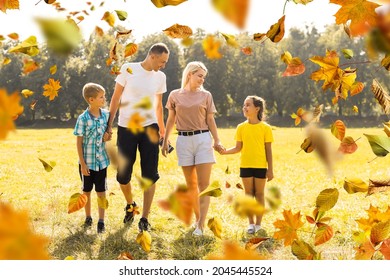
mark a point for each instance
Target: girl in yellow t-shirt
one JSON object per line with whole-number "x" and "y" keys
{"x": 253, "y": 139}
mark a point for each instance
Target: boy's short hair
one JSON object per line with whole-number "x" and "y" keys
{"x": 91, "y": 90}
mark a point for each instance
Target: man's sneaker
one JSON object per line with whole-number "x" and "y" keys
{"x": 143, "y": 225}
{"x": 129, "y": 216}
{"x": 100, "y": 227}
{"x": 88, "y": 222}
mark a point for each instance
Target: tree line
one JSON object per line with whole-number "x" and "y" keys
{"x": 230, "y": 78}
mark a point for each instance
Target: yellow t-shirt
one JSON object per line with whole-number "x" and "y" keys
{"x": 253, "y": 138}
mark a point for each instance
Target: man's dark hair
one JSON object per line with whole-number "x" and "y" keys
{"x": 158, "y": 49}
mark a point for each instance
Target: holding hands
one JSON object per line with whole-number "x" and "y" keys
{"x": 219, "y": 148}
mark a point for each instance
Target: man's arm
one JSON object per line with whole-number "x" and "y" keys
{"x": 114, "y": 105}
{"x": 160, "y": 115}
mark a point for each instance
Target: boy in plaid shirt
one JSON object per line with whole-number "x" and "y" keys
{"x": 91, "y": 135}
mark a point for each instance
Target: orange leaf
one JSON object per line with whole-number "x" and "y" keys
{"x": 385, "y": 249}
{"x": 51, "y": 89}
{"x": 234, "y": 11}
{"x": 329, "y": 68}
{"x": 294, "y": 68}
{"x": 365, "y": 251}
{"x": 338, "y": 129}
{"x": 255, "y": 242}
{"x": 276, "y": 31}
{"x": 76, "y": 202}
{"x": 233, "y": 251}
{"x": 125, "y": 256}
{"x": 361, "y": 13}
{"x": 323, "y": 234}
{"x": 130, "y": 49}
{"x": 14, "y": 36}
{"x": 380, "y": 232}
{"x": 211, "y": 47}
{"x": 99, "y": 31}
{"x": 357, "y": 87}
{"x": 109, "y": 18}
{"x": 178, "y": 31}
{"x": 347, "y": 145}
{"x": 29, "y": 66}
{"x": 288, "y": 227}
{"x": 247, "y": 50}
{"x": 9, "y": 5}
{"x": 10, "y": 109}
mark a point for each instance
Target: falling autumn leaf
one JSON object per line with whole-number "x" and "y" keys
{"x": 115, "y": 70}
{"x": 145, "y": 240}
{"x": 99, "y": 31}
{"x": 288, "y": 227}
{"x": 245, "y": 205}
{"x": 214, "y": 189}
{"x": 130, "y": 49}
{"x": 338, "y": 129}
{"x": 51, "y": 89}
{"x": 273, "y": 197}
{"x": 102, "y": 202}
{"x": 323, "y": 234}
{"x": 348, "y": 53}
{"x": 374, "y": 216}
{"x": 357, "y": 87}
{"x": 376, "y": 186}
{"x": 347, "y": 145}
{"x": 152, "y": 134}
{"x": 9, "y": 5}
{"x": 109, "y": 18}
{"x": 255, "y": 242}
{"x": 215, "y": 225}
{"x": 327, "y": 199}
{"x": 122, "y": 15}
{"x": 211, "y": 47}
{"x": 28, "y": 46}
{"x": 235, "y": 11}
{"x": 27, "y": 93}
{"x": 33, "y": 104}
{"x": 247, "y": 50}
{"x": 355, "y": 109}
{"x": 6, "y": 61}
{"x": 304, "y": 2}
{"x": 380, "y": 145}
{"x": 19, "y": 241}
{"x": 163, "y": 3}
{"x": 381, "y": 96}
{"x": 178, "y": 31}
{"x": 123, "y": 33}
{"x": 361, "y": 13}
{"x": 301, "y": 114}
{"x": 76, "y": 202}
{"x": 144, "y": 183}
{"x": 29, "y": 66}
{"x": 10, "y": 109}
{"x": 233, "y": 251}
{"x": 276, "y": 31}
{"x": 53, "y": 69}
{"x": 136, "y": 123}
{"x": 230, "y": 40}
{"x": 47, "y": 165}
{"x": 13, "y": 36}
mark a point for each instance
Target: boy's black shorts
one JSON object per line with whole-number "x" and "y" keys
{"x": 260, "y": 173}
{"x": 128, "y": 143}
{"x": 97, "y": 178}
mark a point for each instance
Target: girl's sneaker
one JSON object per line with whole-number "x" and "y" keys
{"x": 257, "y": 228}
{"x": 197, "y": 232}
{"x": 251, "y": 229}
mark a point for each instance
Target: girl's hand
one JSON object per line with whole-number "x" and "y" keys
{"x": 270, "y": 174}
{"x": 164, "y": 148}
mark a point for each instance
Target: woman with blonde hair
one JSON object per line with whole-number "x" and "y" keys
{"x": 192, "y": 109}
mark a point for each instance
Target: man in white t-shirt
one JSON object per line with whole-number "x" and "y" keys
{"x": 139, "y": 85}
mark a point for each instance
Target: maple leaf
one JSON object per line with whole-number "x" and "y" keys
{"x": 51, "y": 89}
{"x": 361, "y": 13}
{"x": 233, "y": 251}
{"x": 9, "y": 5}
{"x": 288, "y": 227}
{"x": 18, "y": 240}
{"x": 374, "y": 216}
{"x": 10, "y": 109}
{"x": 211, "y": 47}
{"x": 329, "y": 65}
{"x": 234, "y": 11}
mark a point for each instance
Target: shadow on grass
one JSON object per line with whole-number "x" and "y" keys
{"x": 79, "y": 242}
{"x": 188, "y": 247}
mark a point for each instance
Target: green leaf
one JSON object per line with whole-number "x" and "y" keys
{"x": 327, "y": 199}
{"x": 348, "y": 53}
{"x": 213, "y": 190}
{"x": 355, "y": 185}
{"x": 303, "y": 251}
{"x": 122, "y": 15}
{"x": 380, "y": 145}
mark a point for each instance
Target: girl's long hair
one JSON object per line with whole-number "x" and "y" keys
{"x": 192, "y": 67}
{"x": 260, "y": 103}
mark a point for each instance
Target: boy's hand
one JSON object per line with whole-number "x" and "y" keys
{"x": 85, "y": 170}
{"x": 107, "y": 136}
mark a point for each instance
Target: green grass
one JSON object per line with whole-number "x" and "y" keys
{"x": 299, "y": 176}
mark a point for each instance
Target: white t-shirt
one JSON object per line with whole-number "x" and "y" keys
{"x": 139, "y": 85}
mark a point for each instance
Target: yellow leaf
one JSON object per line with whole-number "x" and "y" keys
{"x": 329, "y": 69}
{"x": 62, "y": 36}
{"x": 144, "y": 183}
{"x": 178, "y": 31}
{"x": 130, "y": 49}
{"x": 99, "y": 31}
{"x": 386, "y": 62}
{"x": 136, "y": 123}
{"x": 152, "y": 134}
{"x": 327, "y": 199}
{"x": 6, "y": 61}
{"x": 18, "y": 238}
{"x": 69, "y": 258}
{"x": 230, "y": 40}
{"x": 145, "y": 240}
{"x": 355, "y": 185}
{"x": 51, "y": 89}
{"x": 122, "y": 15}
{"x": 53, "y": 69}
{"x": 28, "y": 46}
{"x": 163, "y": 3}
{"x": 303, "y": 251}
{"x": 212, "y": 190}
{"x": 235, "y": 11}
{"x": 215, "y": 225}
{"x": 48, "y": 166}
{"x": 76, "y": 202}
{"x": 102, "y": 202}
{"x": 27, "y": 93}
{"x": 109, "y": 18}
{"x": 380, "y": 232}
{"x": 276, "y": 31}
{"x": 374, "y": 216}
{"x": 286, "y": 57}
{"x": 245, "y": 205}
{"x": 233, "y": 251}
{"x": 211, "y": 47}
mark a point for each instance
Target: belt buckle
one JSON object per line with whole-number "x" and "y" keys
{"x": 190, "y": 133}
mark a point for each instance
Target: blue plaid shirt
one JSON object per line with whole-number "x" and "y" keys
{"x": 92, "y": 130}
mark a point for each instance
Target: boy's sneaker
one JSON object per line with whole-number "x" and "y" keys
{"x": 251, "y": 229}
{"x": 143, "y": 224}
{"x": 129, "y": 216}
{"x": 88, "y": 222}
{"x": 101, "y": 227}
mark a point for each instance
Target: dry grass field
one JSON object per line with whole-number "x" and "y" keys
{"x": 300, "y": 177}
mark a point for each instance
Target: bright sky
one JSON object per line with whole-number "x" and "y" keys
{"x": 144, "y": 18}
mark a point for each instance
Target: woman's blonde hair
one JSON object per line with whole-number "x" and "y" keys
{"x": 191, "y": 67}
